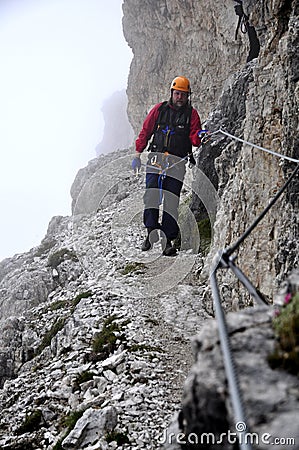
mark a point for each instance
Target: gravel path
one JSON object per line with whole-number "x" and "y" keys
{"x": 157, "y": 309}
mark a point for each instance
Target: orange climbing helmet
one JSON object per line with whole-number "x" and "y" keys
{"x": 181, "y": 84}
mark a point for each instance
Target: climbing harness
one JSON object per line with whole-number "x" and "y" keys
{"x": 224, "y": 259}
{"x": 162, "y": 162}
{"x": 171, "y": 130}
{"x": 162, "y": 166}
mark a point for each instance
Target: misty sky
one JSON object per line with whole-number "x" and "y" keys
{"x": 60, "y": 60}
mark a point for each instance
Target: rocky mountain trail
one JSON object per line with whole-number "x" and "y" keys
{"x": 97, "y": 336}
{"x": 101, "y": 287}
{"x": 111, "y": 339}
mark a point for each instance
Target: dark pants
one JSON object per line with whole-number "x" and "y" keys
{"x": 169, "y": 188}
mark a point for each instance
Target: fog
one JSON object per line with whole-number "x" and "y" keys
{"x": 60, "y": 60}
{"x": 118, "y": 132}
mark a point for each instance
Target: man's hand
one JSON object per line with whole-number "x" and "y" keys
{"x": 136, "y": 163}
{"x": 204, "y": 135}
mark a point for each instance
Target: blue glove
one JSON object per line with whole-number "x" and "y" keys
{"x": 136, "y": 164}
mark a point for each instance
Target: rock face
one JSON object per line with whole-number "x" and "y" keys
{"x": 270, "y": 404}
{"x": 180, "y": 38}
{"x": 270, "y": 121}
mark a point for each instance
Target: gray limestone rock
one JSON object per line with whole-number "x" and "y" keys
{"x": 91, "y": 427}
{"x": 206, "y": 405}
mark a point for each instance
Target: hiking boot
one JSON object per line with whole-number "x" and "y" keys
{"x": 150, "y": 239}
{"x": 169, "y": 250}
{"x": 146, "y": 245}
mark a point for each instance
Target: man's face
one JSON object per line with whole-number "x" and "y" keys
{"x": 179, "y": 98}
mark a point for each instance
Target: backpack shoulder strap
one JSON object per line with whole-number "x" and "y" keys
{"x": 188, "y": 113}
{"x": 162, "y": 108}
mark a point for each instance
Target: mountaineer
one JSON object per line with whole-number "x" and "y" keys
{"x": 172, "y": 127}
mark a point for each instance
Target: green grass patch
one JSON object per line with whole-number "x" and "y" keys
{"x": 58, "y": 305}
{"x": 205, "y": 234}
{"x": 61, "y": 255}
{"x": 31, "y": 422}
{"x": 134, "y": 267}
{"x": 68, "y": 422}
{"x": 60, "y": 322}
{"x": 71, "y": 419}
{"x": 46, "y": 341}
{"x": 104, "y": 342}
{"x": 78, "y": 299}
{"x": 286, "y": 327}
{"x": 144, "y": 348}
{"x": 84, "y": 376}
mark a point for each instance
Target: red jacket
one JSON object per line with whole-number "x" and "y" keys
{"x": 149, "y": 126}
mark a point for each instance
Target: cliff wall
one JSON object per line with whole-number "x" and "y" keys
{"x": 170, "y": 38}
